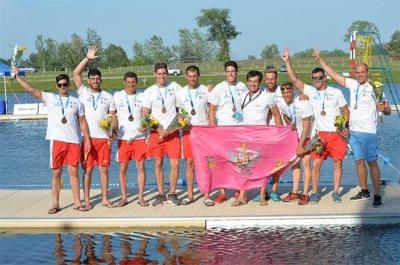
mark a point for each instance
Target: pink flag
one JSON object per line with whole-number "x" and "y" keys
{"x": 240, "y": 157}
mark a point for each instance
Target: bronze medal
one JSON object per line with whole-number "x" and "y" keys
{"x": 234, "y": 109}
{"x": 323, "y": 113}
{"x": 64, "y": 120}
{"x": 193, "y": 112}
{"x": 163, "y": 110}
{"x": 130, "y": 118}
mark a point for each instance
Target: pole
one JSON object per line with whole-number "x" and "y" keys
{"x": 5, "y": 91}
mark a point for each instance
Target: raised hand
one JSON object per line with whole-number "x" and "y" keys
{"x": 14, "y": 71}
{"x": 286, "y": 55}
{"x": 91, "y": 54}
{"x": 316, "y": 54}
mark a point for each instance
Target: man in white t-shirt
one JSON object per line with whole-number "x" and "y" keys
{"x": 160, "y": 100}
{"x": 327, "y": 102}
{"x": 364, "y": 107}
{"x": 99, "y": 104}
{"x": 194, "y": 99}
{"x": 224, "y": 107}
{"x": 298, "y": 114}
{"x": 256, "y": 104}
{"x": 131, "y": 139}
{"x": 66, "y": 119}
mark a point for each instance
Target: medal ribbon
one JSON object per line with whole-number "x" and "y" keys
{"x": 323, "y": 100}
{"x": 250, "y": 99}
{"x": 128, "y": 103}
{"x": 96, "y": 102}
{"x": 190, "y": 96}
{"x": 233, "y": 98}
{"x": 165, "y": 95}
{"x": 62, "y": 105}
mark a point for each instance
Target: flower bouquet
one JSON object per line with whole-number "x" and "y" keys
{"x": 149, "y": 122}
{"x": 105, "y": 123}
{"x": 17, "y": 55}
{"x": 378, "y": 91}
{"x": 340, "y": 124}
{"x": 314, "y": 144}
{"x": 181, "y": 120}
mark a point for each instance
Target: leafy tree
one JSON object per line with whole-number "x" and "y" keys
{"x": 360, "y": 25}
{"x": 156, "y": 50}
{"x": 92, "y": 38}
{"x": 77, "y": 50}
{"x": 115, "y": 56}
{"x": 270, "y": 52}
{"x": 251, "y": 57}
{"x": 220, "y": 29}
{"x": 46, "y": 56}
{"x": 394, "y": 44}
{"x": 139, "y": 57}
{"x": 194, "y": 47}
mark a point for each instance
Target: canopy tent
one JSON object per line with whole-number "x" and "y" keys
{"x": 5, "y": 70}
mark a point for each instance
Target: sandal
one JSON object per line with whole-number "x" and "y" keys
{"x": 187, "y": 201}
{"x": 108, "y": 205}
{"x": 143, "y": 203}
{"x": 209, "y": 202}
{"x": 81, "y": 208}
{"x": 121, "y": 203}
{"x": 238, "y": 203}
{"x": 53, "y": 210}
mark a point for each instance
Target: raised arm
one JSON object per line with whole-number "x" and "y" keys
{"x": 292, "y": 75}
{"x": 90, "y": 55}
{"x": 329, "y": 70}
{"x": 28, "y": 87}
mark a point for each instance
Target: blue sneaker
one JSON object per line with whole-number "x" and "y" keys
{"x": 274, "y": 196}
{"x": 336, "y": 198}
{"x": 314, "y": 198}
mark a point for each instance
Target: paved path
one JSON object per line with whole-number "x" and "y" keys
{"x": 23, "y": 209}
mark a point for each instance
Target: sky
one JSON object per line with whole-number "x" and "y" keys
{"x": 298, "y": 25}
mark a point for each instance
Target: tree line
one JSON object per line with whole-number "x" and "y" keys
{"x": 193, "y": 46}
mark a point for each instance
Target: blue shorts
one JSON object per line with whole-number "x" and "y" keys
{"x": 364, "y": 145}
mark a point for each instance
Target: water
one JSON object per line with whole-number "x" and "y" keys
{"x": 24, "y": 156}
{"x": 270, "y": 245}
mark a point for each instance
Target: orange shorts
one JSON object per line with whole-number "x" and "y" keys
{"x": 64, "y": 153}
{"x": 187, "y": 151}
{"x": 334, "y": 146}
{"x": 99, "y": 154}
{"x": 169, "y": 145}
{"x": 135, "y": 150}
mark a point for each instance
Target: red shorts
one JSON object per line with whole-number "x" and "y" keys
{"x": 99, "y": 154}
{"x": 135, "y": 150}
{"x": 334, "y": 146}
{"x": 187, "y": 151}
{"x": 64, "y": 153}
{"x": 169, "y": 145}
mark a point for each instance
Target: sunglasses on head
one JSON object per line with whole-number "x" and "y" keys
{"x": 318, "y": 77}
{"x": 62, "y": 85}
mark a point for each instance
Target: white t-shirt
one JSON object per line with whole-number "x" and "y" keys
{"x": 199, "y": 98}
{"x": 153, "y": 99}
{"x": 297, "y": 111}
{"x": 279, "y": 102}
{"x": 255, "y": 110}
{"x": 364, "y": 118}
{"x": 331, "y": 99}
{"x": 97, "y": 106}
{"x": 68, "y": 132}
{"x": 222, "y": 96}
{"x": 127, "y": 129}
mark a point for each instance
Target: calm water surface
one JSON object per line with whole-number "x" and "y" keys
{"x": 271, "y": 245}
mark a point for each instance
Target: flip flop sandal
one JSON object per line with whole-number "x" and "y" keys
{"x": 209, "y": 203}
{"x": 143, "y": 203}
{"x": 53, "y": 210}
{"x": 187, "y": 201}
{"x": 121, "y": 203}
{"x": 238, "y": 203}
{"x": 81, "y": 208}
{"x": 108, "y": 205}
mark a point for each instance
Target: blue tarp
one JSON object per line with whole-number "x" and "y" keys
{"x": 5, "y": 70}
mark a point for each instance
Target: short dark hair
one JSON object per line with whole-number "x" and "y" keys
{"x": 193, "y": 68}
{"x": 160, "y": 66}
{"x": 287, "y": 84}
{"x": 62, "y": 77}
{"x": 269, "y": 70}
{"x": 318, "y": 70}
{"x": 231, "y": 63}
{"x": 130, "y": 75}
{"x": 254, "y": 73}
{"x": 93, "y": 72}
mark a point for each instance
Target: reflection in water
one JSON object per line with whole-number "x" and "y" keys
{"x": 272, "y": 245}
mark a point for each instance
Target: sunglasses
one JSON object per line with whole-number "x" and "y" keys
{"x": 62, "y": 85}
{"x": 318, "y": 77}
{"x": 284, "y": 88}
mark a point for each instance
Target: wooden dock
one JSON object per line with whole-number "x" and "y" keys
{"x": 27, "y": 209}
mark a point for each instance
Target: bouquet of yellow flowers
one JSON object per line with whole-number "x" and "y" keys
{"x": 340, "y": 124}
{"x": 314, "y": 144}
{"x": 181, "y": 120}
{"x": 378, "y": 91}
{"x": 149, "y": 122}
{"x": 105, "y": 123}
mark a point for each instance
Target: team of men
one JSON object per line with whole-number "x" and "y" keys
{"x": 230, "y": 102}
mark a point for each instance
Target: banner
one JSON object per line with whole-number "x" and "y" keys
{"x": 240, "y": 157}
